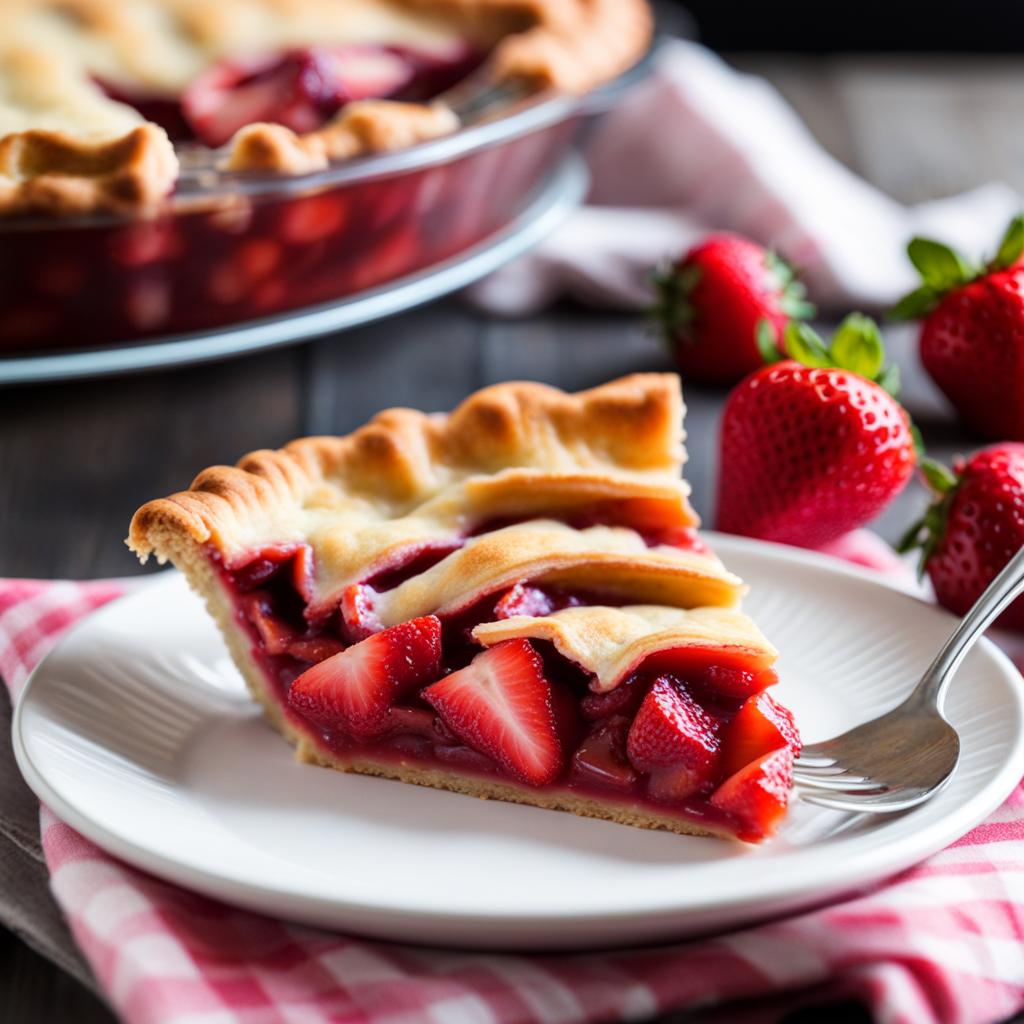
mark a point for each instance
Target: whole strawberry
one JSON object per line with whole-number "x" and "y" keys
{"x": 713, "y": 304}
{"x": 972, "y": 338}
{"x": 973, "y": 528}
{"x": 816, "y": 445}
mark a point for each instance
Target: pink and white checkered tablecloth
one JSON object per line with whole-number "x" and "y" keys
{"x": 941, "y": 942}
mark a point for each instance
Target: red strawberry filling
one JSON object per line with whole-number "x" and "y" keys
{"x": 301, "y": 88}
{"x": 689, "y": 733}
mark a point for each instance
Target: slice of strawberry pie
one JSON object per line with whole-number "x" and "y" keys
{"x": 509, "y": 601}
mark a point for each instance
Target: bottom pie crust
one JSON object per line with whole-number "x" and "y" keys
{"x": 550, "y": 799}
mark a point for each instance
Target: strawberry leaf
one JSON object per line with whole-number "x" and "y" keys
{"x": 1011, "y": 246}
{"x": 793, "y": 301}
{"x": 941, "y": 267}
{"x": 919, "y": 449}
{"x": 889, "y": 381}
{"x": 672, "y": 312}
{"x": 857, "y": 346}
{"x": 911, "y": 538}
{"x": 767, "y": 343}
{"x": 804, "y": 345}
{"x": 795, "y": 306}
{"x": 916, "y": 304}
{"x": 939, "y": 478}
{"x": 783, "y": 271}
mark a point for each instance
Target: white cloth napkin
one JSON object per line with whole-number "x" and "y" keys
{"x": 700, "y": 146}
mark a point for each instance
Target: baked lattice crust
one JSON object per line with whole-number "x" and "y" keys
{"x": 58, "y": 124}
{"x": 512, "y": 451}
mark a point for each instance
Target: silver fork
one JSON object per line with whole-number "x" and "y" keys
{"x": 904, "y": 757}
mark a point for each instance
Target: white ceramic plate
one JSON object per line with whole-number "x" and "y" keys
{"x": 137, "y": 731}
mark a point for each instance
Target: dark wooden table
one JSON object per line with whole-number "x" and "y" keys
{"x": 77, "y": 459}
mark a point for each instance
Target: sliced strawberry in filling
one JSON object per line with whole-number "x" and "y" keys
{"x": 756, "y": 796}
{"x": 675, "y": 740}
{"x": 354, "y": 690}
{"x": 502, "y": 706}
{"x": 760, "y": 726}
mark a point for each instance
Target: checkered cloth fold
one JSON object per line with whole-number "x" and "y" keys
{"x": 943, "y": 942}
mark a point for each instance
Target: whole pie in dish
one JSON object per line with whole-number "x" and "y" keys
{"x": 97, "y": 98}
{"x": 509, "y": 601}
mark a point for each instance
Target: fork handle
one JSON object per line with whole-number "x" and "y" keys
{"x": 998, "y": 596}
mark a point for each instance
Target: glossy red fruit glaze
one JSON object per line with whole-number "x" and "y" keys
{"x": 809, "y": 454}
{"x": 601, "y": 760}
{"x": 758, "y": 727}
{"x": 315, "y": 649}
{"x": 353, "y": 691}
{"x": 731, "y": 671}
{"x": 623, "y": 700}
{"x": 301, "y": 88}
{"x": 972, "y": 345}
{"x": 756, "y": 797}
{"x": 672, "y": 732}
{"x": 503, "y": 707}
{"x": 275, "y": 635}
{"x": 262, "y": 567}
{"x": 984, "y": 528}
{"x": 735, "y": 290}
{"x": 731, "y": 681}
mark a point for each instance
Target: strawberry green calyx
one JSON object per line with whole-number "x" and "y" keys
{"x": 673, "y": 313}
{"x": 793, "y": 302}
{"x": 928, "y": 531}
{"x": 943, "y": 270}
{"x": 856, "y": 346}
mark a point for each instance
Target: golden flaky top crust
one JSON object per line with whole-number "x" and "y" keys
{"x": 609, "y": 643}
{"x": 520, "y": 451}
{"x": 66, "y": 146}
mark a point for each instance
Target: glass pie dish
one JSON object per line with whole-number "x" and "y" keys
{"x": 228, "y": 249}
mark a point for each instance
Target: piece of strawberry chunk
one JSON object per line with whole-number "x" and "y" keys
{"x": 275, "y": 634}
{"x": 354, "y": 690}
{"x": 736, "y": 682}
{"x": 758, "y": 727}
{"x": 357, "y": 612}
{"x": 315, "y": 649}
{"x": 757, "y": 795}
{"x": 623, "y": 700}
{"x": 601, "y": 757}
{"x": 523, "y": 599}
{"x": 674, "y": 740}
{"x": 502, "y": 706}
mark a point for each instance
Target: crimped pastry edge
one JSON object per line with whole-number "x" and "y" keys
{"x": 396, "y": 451}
